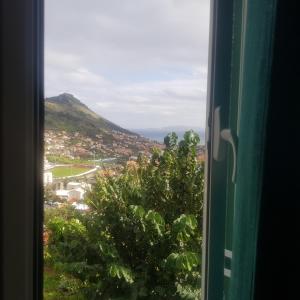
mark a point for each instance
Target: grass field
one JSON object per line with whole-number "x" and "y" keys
{"x": 68, "y": 171}
{"x": 53, "y": 289}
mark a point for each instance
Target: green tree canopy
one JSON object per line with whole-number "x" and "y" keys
{"x": 141, "y": 238}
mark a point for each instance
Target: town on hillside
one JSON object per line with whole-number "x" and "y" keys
{"x": 73, "y": 160}
{"x": 74, "y": 145}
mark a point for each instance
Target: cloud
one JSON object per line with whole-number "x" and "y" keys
{"x": 139, "y": 63}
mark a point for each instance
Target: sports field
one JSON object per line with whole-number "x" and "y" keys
{"x": 68, "y": 171}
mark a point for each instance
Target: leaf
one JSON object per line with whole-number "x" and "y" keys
{"x": 137, "y": 210}
{"x": 121, "y": 273}
{"x": 107, "y": 249}
{"x": 156, "y": 220}
{"x": 184, "y": 261}
{"x": 184, "y": 227}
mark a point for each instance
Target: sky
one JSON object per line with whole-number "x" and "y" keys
{"x": 138, "y": 63}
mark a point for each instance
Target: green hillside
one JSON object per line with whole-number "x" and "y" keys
{"x": 65, "y": 112}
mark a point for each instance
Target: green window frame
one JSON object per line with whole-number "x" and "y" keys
{"x": 241, "y": 45}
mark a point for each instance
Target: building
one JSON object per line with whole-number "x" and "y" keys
{"x": 48, "y": 178}
{"x": 74, "y": 192}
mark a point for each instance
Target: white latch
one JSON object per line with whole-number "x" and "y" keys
{"x": 219, "y": 139}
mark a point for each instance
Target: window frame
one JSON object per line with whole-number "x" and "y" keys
{"x": 218, "y": 93}
{"x": 22, "y": 118}
{"x": 22, "y": 115}
{"x": 240, "y": 66}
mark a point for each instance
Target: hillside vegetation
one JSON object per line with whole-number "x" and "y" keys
{"x": 65, "y": 112}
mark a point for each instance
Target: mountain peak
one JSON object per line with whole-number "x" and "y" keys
{"x": 65, "y": 98}
{"x": 67, "y": 95}
{"x": 66, "y": 112}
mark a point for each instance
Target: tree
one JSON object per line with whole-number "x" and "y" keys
{"x": 142, "y": 237}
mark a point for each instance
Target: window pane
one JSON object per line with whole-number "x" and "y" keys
{"x": 125, "y": 87}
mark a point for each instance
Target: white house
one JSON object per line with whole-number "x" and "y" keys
{"x": 63, "y": 194}
{"x": 73, "y": 185}
{"x": 75, "y": 194}
{"x": 75, "y": 191}
{"x": 48, "y": 178}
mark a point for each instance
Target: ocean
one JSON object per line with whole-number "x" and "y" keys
{"x": 160, "y": 134}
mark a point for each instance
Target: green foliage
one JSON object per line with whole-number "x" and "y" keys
{"x": 121, "y": 272}
{"x": 62, "y": 287}
{"x": 185, "y": 261}
{"x": 142, "y": 237}
{"x": 184, "y": 227}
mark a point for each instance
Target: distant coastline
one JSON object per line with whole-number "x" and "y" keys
{"x": 160, "y": 133}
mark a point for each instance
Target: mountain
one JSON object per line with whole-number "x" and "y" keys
{"x": 65, "y": 112}
{"x": 72, "y": 130}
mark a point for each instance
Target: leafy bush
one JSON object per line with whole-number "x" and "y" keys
{"x": 141, "y": 238}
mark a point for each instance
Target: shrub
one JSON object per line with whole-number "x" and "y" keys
{"x": 142, "y": 237}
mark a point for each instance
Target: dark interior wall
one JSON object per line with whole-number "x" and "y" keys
{"x": 278, "y": 272}
{"x": 21, "y": 131}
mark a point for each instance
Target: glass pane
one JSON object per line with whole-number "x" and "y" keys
{"x": 125, "y": 85}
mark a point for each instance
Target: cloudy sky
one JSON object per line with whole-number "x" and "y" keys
{"x": 138, "y": 63}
